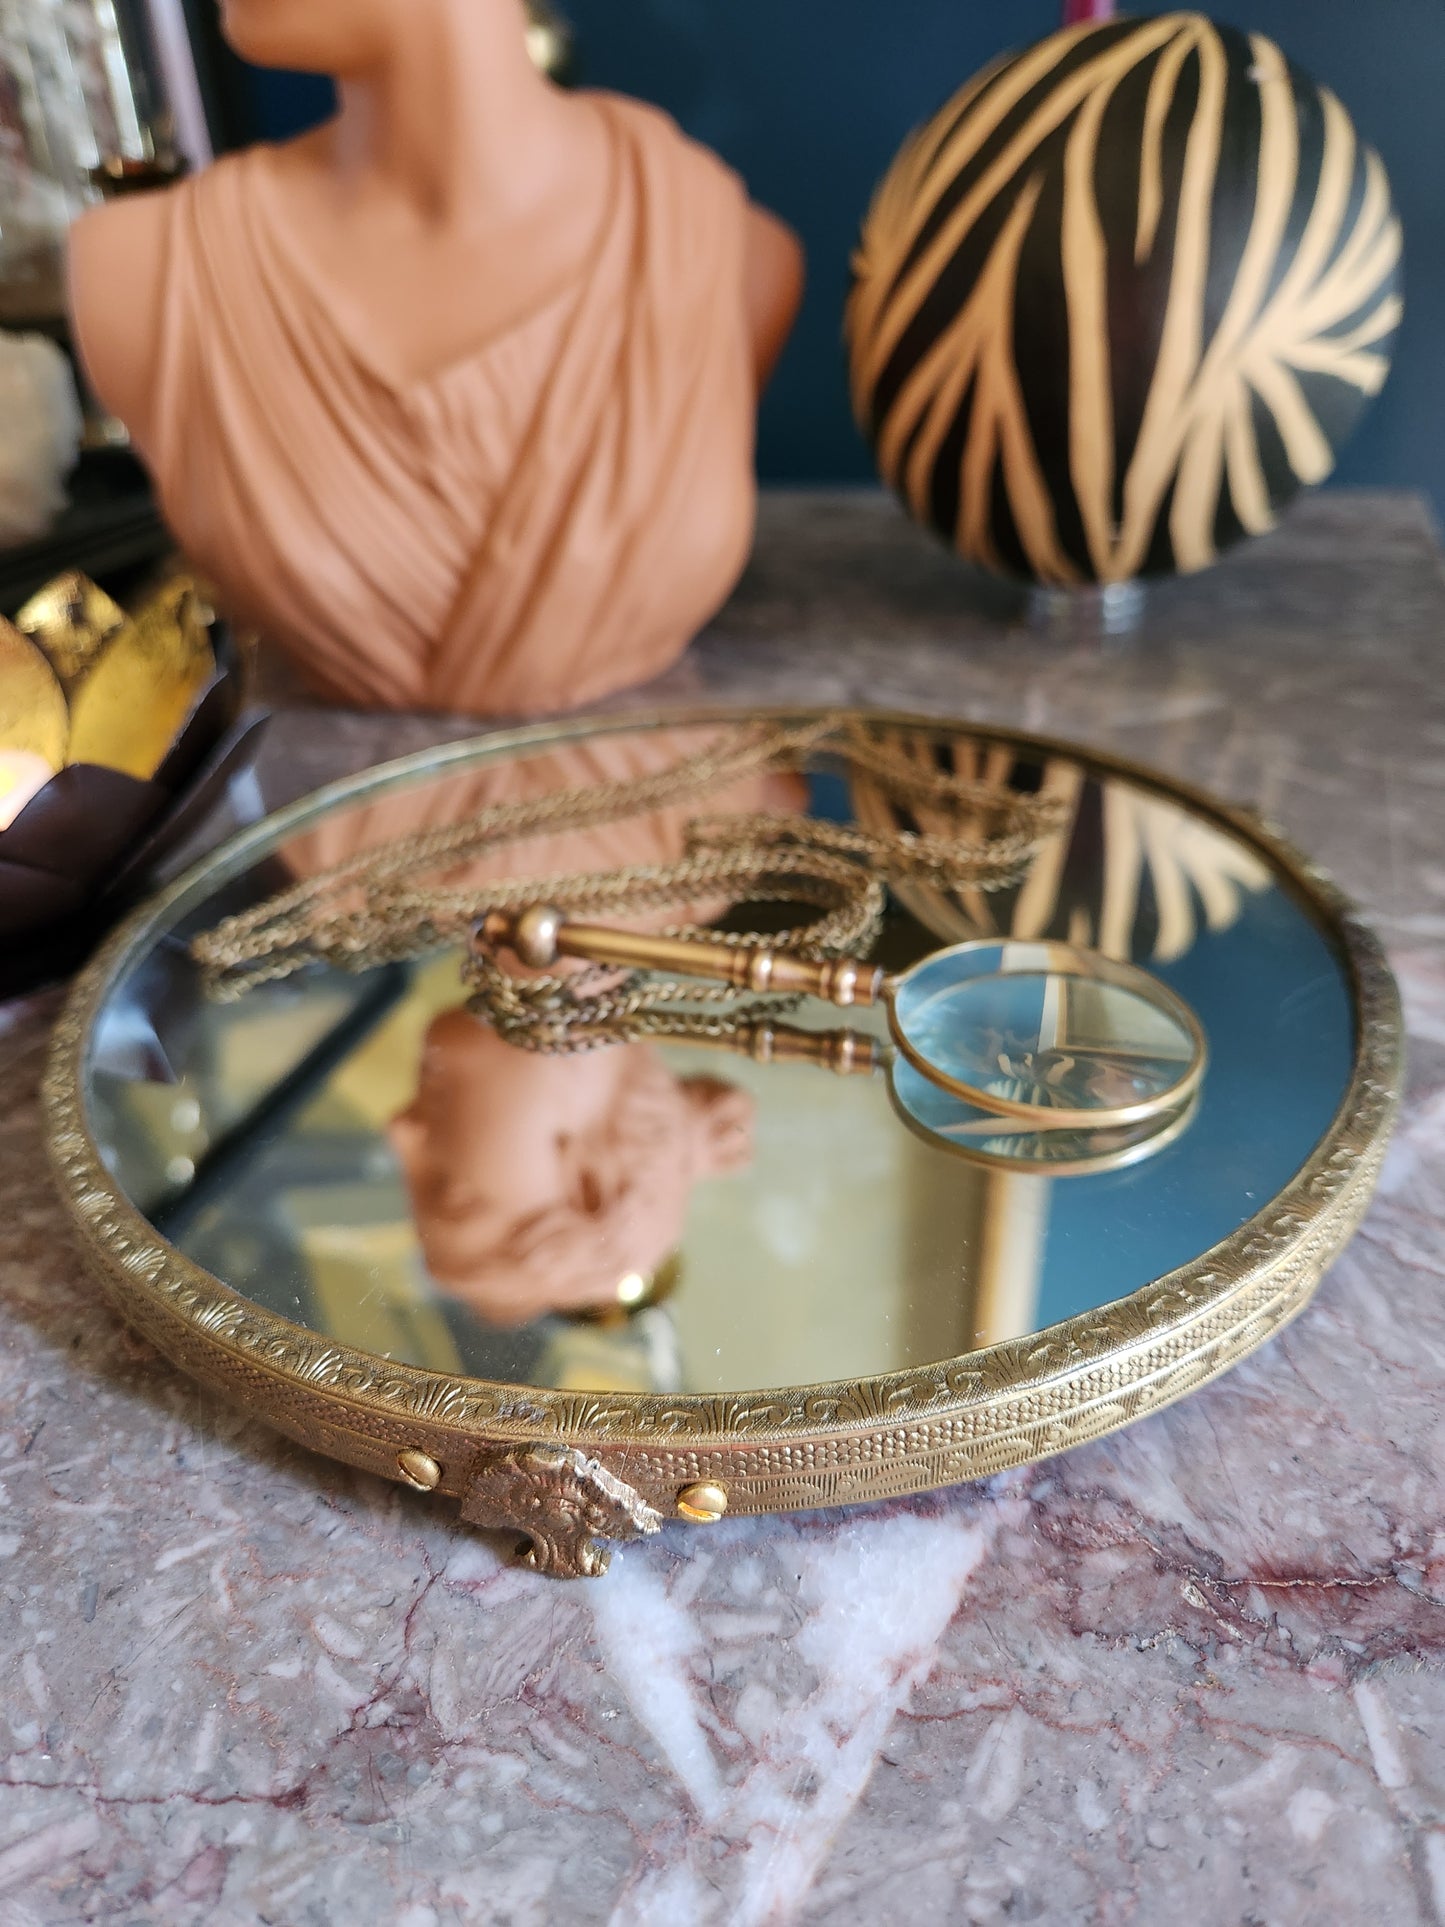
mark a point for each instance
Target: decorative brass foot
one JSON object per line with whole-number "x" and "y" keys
{"x": 563, "y": 1501}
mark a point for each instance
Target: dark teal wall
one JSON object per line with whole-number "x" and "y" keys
{"x": 809, "y": 99}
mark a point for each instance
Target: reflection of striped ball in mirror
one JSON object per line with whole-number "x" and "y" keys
{"x": 1120, "y": 299}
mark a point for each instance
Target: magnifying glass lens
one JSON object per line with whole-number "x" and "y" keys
{"x": 1040, "y": 1038}
{"x": 1012, "y": 1144}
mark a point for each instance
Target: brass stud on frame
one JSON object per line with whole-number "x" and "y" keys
{"x": 419, "y": 1469}
{"x": 704, "y": 1503}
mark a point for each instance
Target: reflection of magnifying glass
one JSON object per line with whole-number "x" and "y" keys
{"x": 1044, "y": 1032}
{"x": 1017, "y": 1144}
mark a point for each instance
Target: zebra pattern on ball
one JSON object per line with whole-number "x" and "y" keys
{"x": 1120, "y": 299}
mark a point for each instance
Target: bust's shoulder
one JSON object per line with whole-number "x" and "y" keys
{"x": 116, "y": 274}
{"x": 119, "y": 270}
{"x": 708, "y": 194}
{"x": 128, "y": 236}
{"x": 120, "y": 241}
{"x": 653, "y": 131}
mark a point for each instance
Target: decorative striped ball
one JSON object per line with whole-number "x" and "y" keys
{"x": 1120, "y": 299}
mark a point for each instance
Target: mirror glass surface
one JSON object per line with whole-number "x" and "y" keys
{"x": 360, "y": 1154}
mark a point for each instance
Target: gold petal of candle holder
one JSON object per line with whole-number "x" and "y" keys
{"x": 33, "y": 714}
{"x": 23, "y": 774}
{"x": 72, "y": 620}
{"x": 139, "y": 692}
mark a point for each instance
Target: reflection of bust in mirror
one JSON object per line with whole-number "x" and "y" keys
{"x": 455, "y": 395}
{"x": 553, "y": 1184}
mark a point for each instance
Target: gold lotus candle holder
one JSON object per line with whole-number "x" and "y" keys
{"x": 117, "y": 733}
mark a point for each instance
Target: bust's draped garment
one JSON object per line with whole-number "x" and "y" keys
{"x": 549, "y": 517}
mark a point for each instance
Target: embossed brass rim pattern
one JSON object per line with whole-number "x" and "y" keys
{"x": 781, "y": 1450}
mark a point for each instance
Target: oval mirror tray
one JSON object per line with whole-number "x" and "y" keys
{"x": 588, "y": 1294}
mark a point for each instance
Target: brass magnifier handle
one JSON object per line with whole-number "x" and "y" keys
{"x": 847, "y": 1053}
{"x": 541, "y": 933}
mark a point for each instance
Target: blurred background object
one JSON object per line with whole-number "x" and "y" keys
{"x": 1122, "y": 298}
{"x": 40, "y": 433}
{"x": 550, "y": 41}
{"x": 84, "y": 89}
{"x": 96, "y": 97}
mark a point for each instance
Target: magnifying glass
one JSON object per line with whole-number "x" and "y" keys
{"x": 1044, "y": 1032}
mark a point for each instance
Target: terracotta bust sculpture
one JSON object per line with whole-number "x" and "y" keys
{"x": 454, "y": 396}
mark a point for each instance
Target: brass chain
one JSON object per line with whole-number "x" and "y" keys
{"x": 369, "y": 909}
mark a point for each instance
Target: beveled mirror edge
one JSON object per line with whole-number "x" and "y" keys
{"x": 534, "y": 1455}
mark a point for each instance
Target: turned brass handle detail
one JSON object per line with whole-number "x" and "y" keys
{"x": 541, "y": 934}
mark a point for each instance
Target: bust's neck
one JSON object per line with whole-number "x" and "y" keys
{"x": 458, "y": 120}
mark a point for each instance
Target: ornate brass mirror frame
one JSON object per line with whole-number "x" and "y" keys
{"x": 570, "y": 1470}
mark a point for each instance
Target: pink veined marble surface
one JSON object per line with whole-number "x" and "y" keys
{"x": 1192, "y": 1672}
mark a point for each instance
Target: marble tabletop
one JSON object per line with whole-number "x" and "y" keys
{"x": 1193, "y": 1671}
